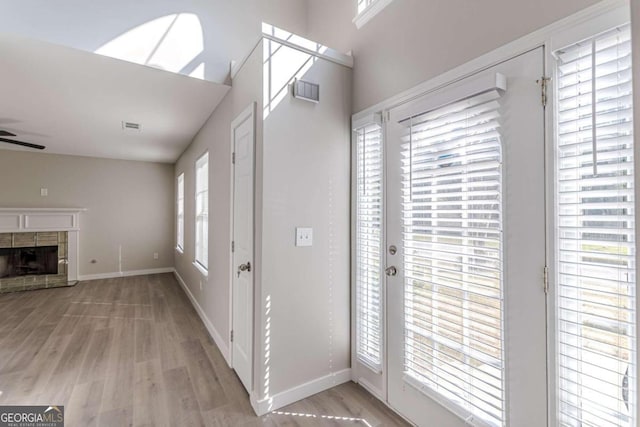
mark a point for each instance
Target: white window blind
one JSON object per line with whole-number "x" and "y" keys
{"x": 369, "y": 246}
{"x": 180, "y": 213}
{"x": 452, "y": 214}
{"x": 596, "y": 224}
{"x": 202, "y": 211}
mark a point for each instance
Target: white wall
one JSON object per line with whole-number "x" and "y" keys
{"x": 412, "y": 41}
{"x": 305, "y": 183}
{"x": 212, "y": 292}
{"x": 129, "y": 207}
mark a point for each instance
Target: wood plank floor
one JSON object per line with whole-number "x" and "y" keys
{"x": 133, "y": 352}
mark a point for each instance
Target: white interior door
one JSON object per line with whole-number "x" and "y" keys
{"x": 242, "y": 133}
{"x": 466, "y": 211}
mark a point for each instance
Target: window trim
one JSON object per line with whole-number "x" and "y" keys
{"x": 179, "y": 202}
{"x": 196, "y": 262}
{"x": 369, "y": 12}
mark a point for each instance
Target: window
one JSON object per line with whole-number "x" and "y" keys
{"x": 202, "y": 212}
{"x": 369, "y": 246}
{"x": 367, "y": 9}
{"x": 596, "y": 295}
{"x": 453, "y": 255}
{"x": 180, "y": 214}
{"x": 363, "y": 4}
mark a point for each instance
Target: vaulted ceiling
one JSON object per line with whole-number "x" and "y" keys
{"x": 73, "y": 71}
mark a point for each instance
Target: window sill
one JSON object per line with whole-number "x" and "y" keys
{"x": 179, "y": 250}
{"x": 371, "y": 11}
{"x": 201, "y": 269}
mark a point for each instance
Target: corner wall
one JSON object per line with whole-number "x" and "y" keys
{"x": 130, "y": 211}
{"x": 303, "y": 324}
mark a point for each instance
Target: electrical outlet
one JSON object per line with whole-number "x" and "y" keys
{"x": 155, "y": 255}
{"x": 304, "y": 237}
{"x": 44, "y": 192}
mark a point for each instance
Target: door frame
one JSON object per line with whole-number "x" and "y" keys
{"x": 248, "y": 113}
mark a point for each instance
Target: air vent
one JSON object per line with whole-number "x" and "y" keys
{"x": 131, "y": 127}
{"x": 307, "y": 91}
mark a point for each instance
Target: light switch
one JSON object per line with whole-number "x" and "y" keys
{"x": 304, "y": 237}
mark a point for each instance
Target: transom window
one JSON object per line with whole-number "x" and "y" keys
{"x": 367, "y": 9}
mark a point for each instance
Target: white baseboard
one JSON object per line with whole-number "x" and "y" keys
{"x": 217, "y": 338}
{"x": 287, "y": 397}
{"x": 86, "y": 277}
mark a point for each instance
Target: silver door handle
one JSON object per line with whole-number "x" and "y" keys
{"x": 244, "y": 267}
{"x": 391, "y": 271}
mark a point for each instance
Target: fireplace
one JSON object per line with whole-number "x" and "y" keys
{"x": 33, "y": 260}
{"x": 37, "y": 261}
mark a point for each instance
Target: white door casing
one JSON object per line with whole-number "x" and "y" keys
{"x": 242, "y": 293}
{"x": 523, "y": 256}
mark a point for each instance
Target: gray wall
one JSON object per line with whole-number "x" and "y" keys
{"x": 306, "y": 183}
{"x": 128, "y": 205}
{"x": 412, "y": 41}
{"x": 212, "y": 292}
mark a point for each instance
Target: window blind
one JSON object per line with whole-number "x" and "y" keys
{"x": 452, "y": 222}
{"x": 180, "y": 212}
{"x": 369, "y": 246}
{"x": 596, "y": 316}
{"x": 202, "y": 211}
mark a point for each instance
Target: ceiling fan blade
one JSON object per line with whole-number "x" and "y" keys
{"x": 23, "y": 144}
{"x": 6, "y": 133}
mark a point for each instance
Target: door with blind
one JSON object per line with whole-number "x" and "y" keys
{"x": 464, "y": 278}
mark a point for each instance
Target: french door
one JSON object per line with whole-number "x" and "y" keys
{"x": 464, "y": 251}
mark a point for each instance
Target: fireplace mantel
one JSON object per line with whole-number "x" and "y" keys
{"x": 18, "y": 220}
{"x": 27, "y": 220}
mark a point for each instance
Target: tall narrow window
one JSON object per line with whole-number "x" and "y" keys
{"x": 180, "y": 213}
{"x": 202, "y": 212}
{"x": 369, "y": 246}
{"x": 596, "y": 292}
{"x": 453, "y": 250}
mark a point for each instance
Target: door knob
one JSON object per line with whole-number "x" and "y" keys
{"x": 244, "y": 267}
{"x": 391, "y": 271}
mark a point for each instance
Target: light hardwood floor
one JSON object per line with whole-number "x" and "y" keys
{"x": 132, "y": 351}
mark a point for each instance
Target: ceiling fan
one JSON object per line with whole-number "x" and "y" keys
{"x": 4, "y": 134}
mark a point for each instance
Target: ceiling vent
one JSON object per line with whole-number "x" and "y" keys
{"x": 307, "y": 91}
{"x": 131, "y": 127}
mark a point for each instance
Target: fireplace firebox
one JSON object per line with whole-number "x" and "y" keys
{"x": 15, "y": 262}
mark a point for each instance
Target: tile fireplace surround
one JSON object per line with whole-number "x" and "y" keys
{"x": 41, "y": 227}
